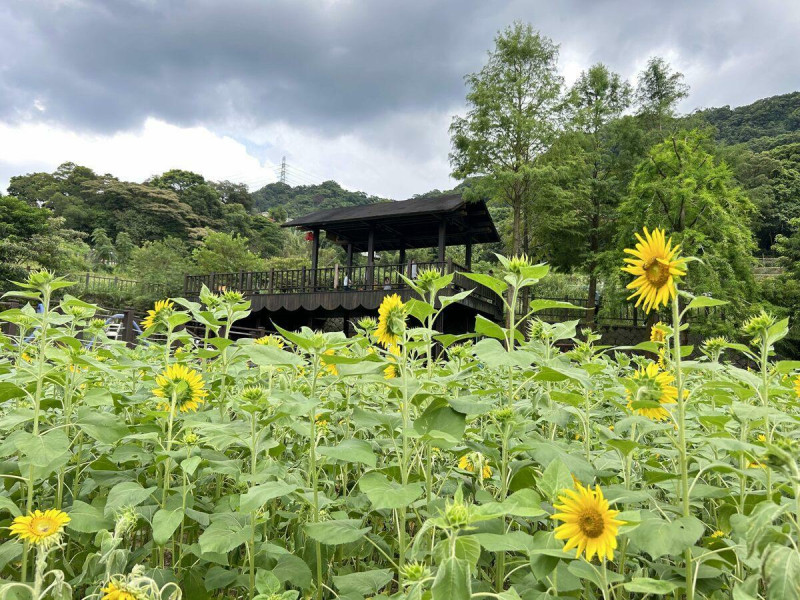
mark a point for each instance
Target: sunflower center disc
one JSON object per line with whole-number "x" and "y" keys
{"x": 591, "y": 523}
{"x": 656, "y": 273}
{"x": 42, "y": 527}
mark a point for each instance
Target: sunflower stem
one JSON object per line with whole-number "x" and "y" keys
{"x": 682, "y": 454}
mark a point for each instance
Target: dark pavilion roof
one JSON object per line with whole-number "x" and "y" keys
{"x": 404, "y": 224}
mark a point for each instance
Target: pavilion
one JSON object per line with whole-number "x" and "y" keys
{"x": 297, "y": 297}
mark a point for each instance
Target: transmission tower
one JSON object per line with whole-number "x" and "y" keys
{"x": 283, "y": 170}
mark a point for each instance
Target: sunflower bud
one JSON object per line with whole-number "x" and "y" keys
{"x": 414, "y": 571}
{"x": 456, "y": 514}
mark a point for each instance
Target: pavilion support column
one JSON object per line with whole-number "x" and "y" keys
{"x": 350, "y": 263}
{"x": 371, "y": 258}
{"x": 314, "y": 257}
{"x": 402, "y": 256}
{"x": 468, "y": 255}
{"x": 442, "y": 239}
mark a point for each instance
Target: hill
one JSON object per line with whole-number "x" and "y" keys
{"x": 303, "y": 199}
{"x": 769, "y": 117}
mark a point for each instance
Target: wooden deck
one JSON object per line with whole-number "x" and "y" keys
{"x": 323, "y": 293}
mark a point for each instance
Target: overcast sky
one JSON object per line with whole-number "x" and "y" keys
{"x": 360, "y": 91}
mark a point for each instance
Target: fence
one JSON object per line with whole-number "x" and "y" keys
{"x": 93, "y": 283}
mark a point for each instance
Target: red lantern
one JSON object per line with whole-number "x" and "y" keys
{"x": 309, "y": 236}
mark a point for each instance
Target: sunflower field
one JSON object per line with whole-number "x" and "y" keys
{"x": 523, "y": 461}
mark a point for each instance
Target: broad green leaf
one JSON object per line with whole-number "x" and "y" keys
{"x": 365, "y": 583}
{"x": 271, "y": 356}
{"x": 453, "y": 580}
{"x": 385, "y": 494}
{"x": 127, "y": 493}
{"x": 224, "y": 534}
{"x": 257, "y": 496}
{"x": 645, "y": 585}
{"x": 7, "y": 504}
{"x": 350, "y": 451}
{"x": 165, "y": 522}
{"x": 659, "y": 537}
{"x": 294, "y": 570}
{"x": 782, "y": 572}
{"x": 106, "y": 428}
{"x": 543, "y": 304}
{"x": 597, "y": 574}
{"x": 334, "y": 533}
{"x": 498, "y": 286}
{"x": 704, "y": 302}
{"x": 555, "y": 479}
{"x": 86, "y": 518}
{"x": 513, "y": 541}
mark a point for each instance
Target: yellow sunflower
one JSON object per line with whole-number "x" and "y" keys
{"x": 391, "y": 321}
{"x": 186, "y": 383}
{"x": 588, "y": 523}
{"x": 40, "y": 528}
{"x": 330, "y": 367}
{"x": 161, "y": 310}
{"x": 393, "y": 370}
{"x": 657, "y": 387}
{"x": 270, "y": 340}
{"x": 658, "y": 332}
{"x": 118, "y": 591}
{"x": 797, "y": 386}
{"x": 656, "y": 264}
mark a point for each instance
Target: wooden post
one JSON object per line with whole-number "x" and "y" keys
{"x": 442, "y": 239}
{"x": 241, "y": 280}
{"x": 371, "y": 258}
{"x": 271, "y": 286}
{"x": 185, "y": 286}
{"x": 468, "y": 255}
{"x": 336, "y": 276}
{"x": 314, "y": 257}
{"x": 402, "y": 257}
{"x": 303, "y": 280}
{"x": 128, "y": 334}
{"x": 87, "y": 282}
{"x": 350, "y": 262}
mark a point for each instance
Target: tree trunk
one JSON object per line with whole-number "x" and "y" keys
{"x": 516, "y": 230}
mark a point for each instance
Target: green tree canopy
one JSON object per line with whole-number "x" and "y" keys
{"x": 223, "y": 253}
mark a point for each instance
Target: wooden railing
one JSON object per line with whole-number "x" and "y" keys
{"x": 92, "y": 282}
{"x": 325, "y": 279}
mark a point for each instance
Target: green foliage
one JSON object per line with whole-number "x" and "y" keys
{"x": 283, "y": 201}
{"x": 682, "y": 188}
{"x": 225, "y": 253}
{"x": 769, "y": 117}
{"x": 513, "y": 103}
{"x": 162, "y": 263}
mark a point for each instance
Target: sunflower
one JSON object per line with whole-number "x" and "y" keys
{"x": 119, "y": 591}
{"x": 161, "y": 310}
{"x": 656, "y": 386}
{"x": 588, "y": 523}
{"x": 797, "y": 386}
{"x": 330, "y": 367}
{"x": 658, "y": 332}
{"x": 186, "y": 383}
{"x": 656, "y": 264}
{"x": 40, "y": 528}
{"x": 270, "y": 340}
{"x": 391, "y": 321}
{"x": 393, "y": 370}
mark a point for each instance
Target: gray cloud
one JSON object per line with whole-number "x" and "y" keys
{"x": 340, "y": 67}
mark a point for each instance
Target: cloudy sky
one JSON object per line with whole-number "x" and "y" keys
{"x": 360, "y": 91}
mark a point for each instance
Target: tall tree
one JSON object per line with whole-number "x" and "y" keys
{"x": 658, "y": 92}
{"x": 513, "y": 113}
{"x": 683, "y": 188}
{"x": 589, "y": 163}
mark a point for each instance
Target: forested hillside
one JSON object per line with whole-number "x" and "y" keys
{"x": 768, "y": 117}
{"x": 282, "y": 200}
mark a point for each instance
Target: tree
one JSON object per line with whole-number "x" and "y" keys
{"x": 514, "y": 104}
{"x": 162, "y": 263}
{"x": 234, "y": 193}
{"x": 225, "y": 253}
{"x": 123, "y": 248}
{"x": 579, "y": 185}
{"x": 682, "y": 188}
{"x": 658, "y": 92}
{"x": 103, "y": 248}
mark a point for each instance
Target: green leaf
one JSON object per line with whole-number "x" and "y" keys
{"x": 7, "y": 504}
{"x": 439, "y": 417}
{"x": 524, "y": 503}
{"x": 498, "y": 286}
{"x": 385, "y": 494}
{"x": 704, "y": 302}
{"x": 270, "y": 356}
{"x": 104, "y": 427}
{"x": 257, "y": 496}
{"x": 659, "y": 537}
{"x": 334, "y": 533}
{"x": 127, "y": 493}
{"x": 513, "y": 541}
{"x": 645, "y": 585}
{"x": 165, "y": 522}
{"x": 484, "y": 326}
{"x": 597, "y": 574}
{"x": 543, "y": 304}
{"x": 86, "y": 518}
{"x": 294, "y": 570}
{"x": 350, "y": 451}
{"x": 453, "y": 581}
{"x": 781, "y": 570}
{"x": 224, "y": 534}
{"x": 365, "y": 583}
{"x": 555, "y": 479}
